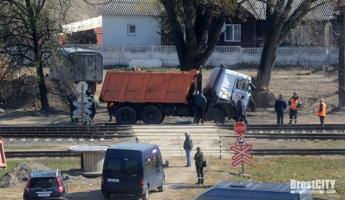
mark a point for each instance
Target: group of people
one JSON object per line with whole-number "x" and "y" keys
{"x": 200, "y": 161}
{"x": 295, "y": 103}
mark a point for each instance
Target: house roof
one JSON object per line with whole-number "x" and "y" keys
{"x": 131, "y": 7}
{"x": 322, "y": 12}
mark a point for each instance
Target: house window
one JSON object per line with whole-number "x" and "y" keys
{"x": 131, "y": 29}
{"x": 232, "y": 33}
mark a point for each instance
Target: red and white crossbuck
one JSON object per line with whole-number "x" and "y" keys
{"x": 241, "y": 149}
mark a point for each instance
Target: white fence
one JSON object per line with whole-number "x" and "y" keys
{"x": 227, "y": 55}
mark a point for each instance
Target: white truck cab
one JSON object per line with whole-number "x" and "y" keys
{"x": 230, "y": 85}
{"x": 226, "y": 87}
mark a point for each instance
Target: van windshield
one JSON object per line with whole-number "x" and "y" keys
{"x": 122, "y": 165}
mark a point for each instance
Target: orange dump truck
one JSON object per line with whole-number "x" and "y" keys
{"x": 150, "y": 96}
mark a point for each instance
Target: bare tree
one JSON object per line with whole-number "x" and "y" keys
{"x": 29, "y": 31}
{"x": 281, "y": 17}
{"x": 196, "y": 27}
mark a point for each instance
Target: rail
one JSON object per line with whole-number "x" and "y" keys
{"x": 109, "y": 131}
{"x": 256, "y": 152}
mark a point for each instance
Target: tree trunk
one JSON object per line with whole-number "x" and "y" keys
{"x": 267, "y": 60}
{"x": 341, "y": 66}
{"x": 42, "y": 87}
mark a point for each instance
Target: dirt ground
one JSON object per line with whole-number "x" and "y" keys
{"x": 89, "y": 188}
{"x": 181, "y": 181}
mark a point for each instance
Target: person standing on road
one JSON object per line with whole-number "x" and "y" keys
{"x": 188, "y": 146}
{"x": 200, "y": 163}
{"x": 109, "y": 109}
{"x": 241, "y": 110}
{"x": 71, "y": 99}
{"x": 200, "y": 103}
{"x": 322, "y": 112}
{"x": 294, "y": 103}
{"x": 279, "y": 107}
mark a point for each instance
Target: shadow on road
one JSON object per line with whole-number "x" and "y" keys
{"x": 178, "y": 186}
{"x": 87, "y": 195}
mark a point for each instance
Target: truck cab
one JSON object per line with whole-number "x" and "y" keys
{"x": 223, "y": 89}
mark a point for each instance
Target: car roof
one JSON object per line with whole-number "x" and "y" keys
{"x": 45, "y": 173}
{"x": 228, "y": 188}
{"x": 258, "y": 186}
{"x": 134, "y": 146}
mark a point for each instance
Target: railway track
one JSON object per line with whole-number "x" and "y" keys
{"x": 256, "y": 152}
{"x": 66, "y": 132}
{"x": 109, "y": 131}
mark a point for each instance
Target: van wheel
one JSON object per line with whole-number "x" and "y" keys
{"x": 145, "y": 195}
{"x": 162, "y": 187}
{"x": 151, "y": 115}
{"x": 126, "y": 115}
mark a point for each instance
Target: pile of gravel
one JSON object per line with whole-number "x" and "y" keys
{"x": 16, "y": 175}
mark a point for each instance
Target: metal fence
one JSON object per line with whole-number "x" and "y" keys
{"x": 227, "y": 55}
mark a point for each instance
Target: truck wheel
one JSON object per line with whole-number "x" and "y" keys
{"x": 219, "y": 115}
{"x": 151, "y": 115}
{"x": 126, "y": 115}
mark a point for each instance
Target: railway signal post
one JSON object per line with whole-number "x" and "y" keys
{"x": 241, "y": 149}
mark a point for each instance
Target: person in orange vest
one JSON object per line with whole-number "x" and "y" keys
{"x": 322, "y": 112}
{"x": 294, "y": 104}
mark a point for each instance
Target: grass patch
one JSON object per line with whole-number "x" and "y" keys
{"x": 61, "y": 163}
{"x": 284, "y": 169}
{"x": 30, "y": 147}
{"x": 52, "y": 163}
{"x": 10, "y": 165}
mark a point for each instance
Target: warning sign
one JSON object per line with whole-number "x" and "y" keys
{"x": 241, "y": 149}
{"x": 240, "y": 128}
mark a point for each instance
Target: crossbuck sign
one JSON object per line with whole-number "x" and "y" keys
{"x": 241, "y": 149}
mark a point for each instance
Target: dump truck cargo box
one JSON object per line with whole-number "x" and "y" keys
{"x": 147, "y": 87}
{"x": 253, "y": 191}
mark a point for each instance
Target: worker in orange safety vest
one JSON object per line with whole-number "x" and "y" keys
{"x": 322, "y": 112}
{"x": 294, "y": 104}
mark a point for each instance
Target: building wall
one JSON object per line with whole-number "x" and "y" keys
{"x": 248, "y": 33}
{"x": 115, "y": 31}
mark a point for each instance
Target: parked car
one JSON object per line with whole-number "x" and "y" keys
{"x": 132, "y": 170}
{"x": 46, "y": 184}
{"x": 253, "y": 191}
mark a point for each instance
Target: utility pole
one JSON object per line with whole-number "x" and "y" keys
{"x": 341, "y": 65}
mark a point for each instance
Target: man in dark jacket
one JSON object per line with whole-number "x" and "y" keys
{"x": 199, "y": 165}
{"x": 200, "y": 103}
{"x": 241, "y": 110}
{"x": 279, "y": 107}
{"x": 188, "y": 146}
{"x": 71, "y": 98}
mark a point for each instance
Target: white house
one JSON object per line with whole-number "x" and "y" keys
{"x": 137, "y": 23}
{"x": 122, "y": 22}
